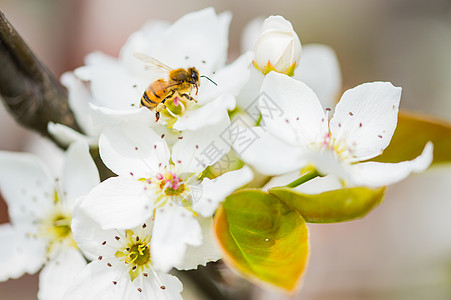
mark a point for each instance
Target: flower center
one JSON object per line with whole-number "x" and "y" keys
{"x": 135, "y": 254}
{"x": 175, "y": 108}
{"x": 138, "y": 254}
{"x": 171, "y": 187}
{"x": 55, "y": 227}
{"x": 171, "y": 184}
{"x": 61, "y": 226}
{"x": 133, "y": 251}
{"x": 337, "y": 147}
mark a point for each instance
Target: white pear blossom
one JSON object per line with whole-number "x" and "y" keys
{"x": 122, "y": 264}
{"x": 302, "y": 136}
{"x": 117, "y": 85}
{"x": 154, "y": 183}
{"x": 40, "y": 209}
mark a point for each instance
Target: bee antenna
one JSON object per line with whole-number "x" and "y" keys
{"x": 209, "y": 79}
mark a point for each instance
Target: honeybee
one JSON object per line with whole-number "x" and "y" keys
{"x": 180, "y": 83}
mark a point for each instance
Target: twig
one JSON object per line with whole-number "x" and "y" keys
{"x": 31, "y": 93}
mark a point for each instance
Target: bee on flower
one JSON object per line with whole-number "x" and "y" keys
{"x": 97, "y": 105}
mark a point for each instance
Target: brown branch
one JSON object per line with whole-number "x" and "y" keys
{"x": 31, "y": 93}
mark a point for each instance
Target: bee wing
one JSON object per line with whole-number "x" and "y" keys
{"x": 152, "y": 63}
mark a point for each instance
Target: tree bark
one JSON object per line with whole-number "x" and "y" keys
{"x": 30, "y": 92}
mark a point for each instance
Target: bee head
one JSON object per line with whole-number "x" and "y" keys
{"x": 194, "y": 75}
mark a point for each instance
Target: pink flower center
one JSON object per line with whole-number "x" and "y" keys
{"x": 170, "y": 180}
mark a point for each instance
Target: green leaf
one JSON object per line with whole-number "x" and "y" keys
{"x": 331, "y": 206}
{"x": 412, "y": 134}
{"x": 263, "y": 239}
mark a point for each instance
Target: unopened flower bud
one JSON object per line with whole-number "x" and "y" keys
{"x": 278, "y": 48}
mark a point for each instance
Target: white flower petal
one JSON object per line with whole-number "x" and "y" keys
{"x": 48, "y": 151}
{"x": 204, "y": 253}
{"x": 205, "y": 47}
{"x": 59, "y": 273}
{"x": 154, "y": 29}
{"x": 223, "y": 45}
{"x": 142, "y": 41}
{"x": 133, "y": 150}
{"x": 201, "y": 148}
{"x": 366, "y": 117}
{"x": 249, "y": 94}
{"x": 119, "y": 203}
{"x": 109, "y": 73}
{"x": 174, "y": 229}
{"x": 229, "y": 79}
{"x": 95, "y": 58}
{"x": 80, "y": 173}
{"x": 266, "y": 153}
{"x": 66, "y": 135}
{"x": 109, "y": 274}
{"x": 327, "y": 163}
{"x": 291, "y": 110}
{"x": 19, "y": 253}
{"x": 250, "y": 34}
{"x": 26, "y": 185}
{"x": 79, "y": 97}
{"x": 319, "y": 69}
{"x": 375, "y": 174}
{"x": 95, "y": 282}
{"x": 90, "y": 237}
{"x": 104, "y": 116}
{"x": 152, "y": 289}
{"x": 170, "y": 136}
{"x": 208, "y": 115}
{"x": 215, "y": 190}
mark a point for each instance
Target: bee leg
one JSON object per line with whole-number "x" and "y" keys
{"x": 188, "y": 97}
{"x": 157, "y": 116}
{"x": 168, "y": 96}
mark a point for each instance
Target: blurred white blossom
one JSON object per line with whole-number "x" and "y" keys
{"x": 40, "y": 208}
